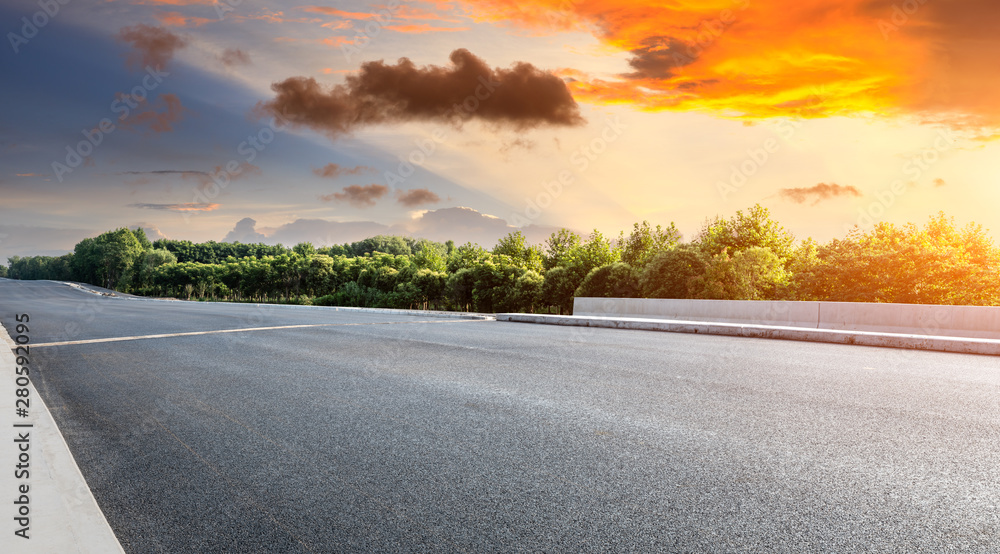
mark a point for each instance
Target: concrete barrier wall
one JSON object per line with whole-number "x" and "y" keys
{"x": 950, "y": 321}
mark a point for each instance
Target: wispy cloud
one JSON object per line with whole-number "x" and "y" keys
{"x": 234, "y": 56}
{"x": 822, "y": 191}
{"x": 332, "y": 170}
{"x": 185, "y": 207}
{"x": 158, "y": 116}
{"x": 201, "y": 178}
{"x": 176, "y": 2}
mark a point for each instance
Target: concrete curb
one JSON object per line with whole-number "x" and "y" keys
{"x": 861, "y": 338}
{"x": 63, "y": 517}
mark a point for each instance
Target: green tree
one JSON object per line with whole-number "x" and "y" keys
{"x": 429, "y": 255}
{"x": 753, "y": 274}
{"x": 459, "y": 288}
{"x": 755, "y": 228}
{"x": 615, "y": 280}
{"x": 397, "y": 246}
{"x": 558, "y": 247}
{"x": 516, "y": 247}
{"x": 466, "y": 256}
{"x": 320, "y": 275}
{"x": 110, "y": 259}
{"x": 669, "y": 273}
{"x": 304, "y": 249}
{"x": 803, "y": 272}
{"x": 429, "y": 285}
{"x": 558, "y": 289}
{"x": 938, "y": 264}
{"x": 645, "y": 242}
{"x": 597, "y": 251}
{"x": 528, "y": 291}
{"x": 150, "y": 260}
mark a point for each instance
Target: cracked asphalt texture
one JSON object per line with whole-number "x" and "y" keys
{"x": 411, "y": 433}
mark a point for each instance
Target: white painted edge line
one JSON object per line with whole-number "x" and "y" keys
{"x": 961, "y": 345}
{"x": 63, "y": 515}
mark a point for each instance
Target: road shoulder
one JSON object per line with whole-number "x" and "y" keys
{"x": 62, "y": 515}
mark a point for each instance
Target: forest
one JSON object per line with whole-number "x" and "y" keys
{"x": 748, "y": 256}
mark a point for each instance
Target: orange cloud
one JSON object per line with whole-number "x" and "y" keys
{"x": 177, "y": 19}
{"x": 341, "y": 13}
{"x": 778, "y": 58}
{"x": 423, "y": 28}
{"x": 337, "y": 41}
{"x": 409, "y": 12}
{"x": 273, "y": 17}
{"x": 336, "y": 25}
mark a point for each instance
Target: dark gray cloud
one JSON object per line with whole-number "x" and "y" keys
{"x": 659, "y": 57}
{"x": 416, "y": 197}
{"x": 522, "y": 96}
{"x": 357, "y": 195}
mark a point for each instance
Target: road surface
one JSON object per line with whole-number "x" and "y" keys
{"x": 315, "y": 430}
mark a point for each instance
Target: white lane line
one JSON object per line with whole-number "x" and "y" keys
{"x": 195, "y": 333}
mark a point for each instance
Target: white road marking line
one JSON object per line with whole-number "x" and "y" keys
{"x": 195, "y": 333}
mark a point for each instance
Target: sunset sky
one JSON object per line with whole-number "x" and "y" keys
{"x": 329, "y": 122}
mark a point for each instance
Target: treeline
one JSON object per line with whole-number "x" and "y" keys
{"x": 748, "y": 256}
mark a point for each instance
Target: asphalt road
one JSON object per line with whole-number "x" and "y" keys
{"x": 409, "y": 433}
